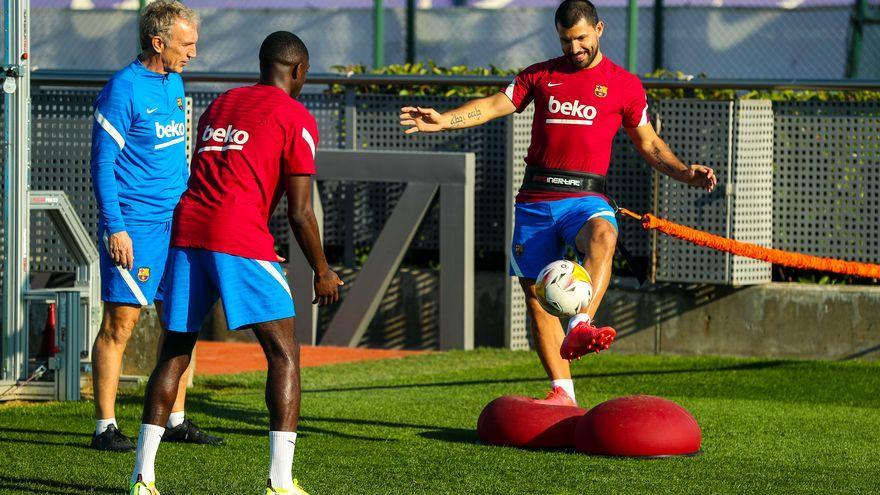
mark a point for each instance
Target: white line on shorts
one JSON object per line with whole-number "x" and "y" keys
{"x": 129, "y": 281}
{"x": 277, "y": 276}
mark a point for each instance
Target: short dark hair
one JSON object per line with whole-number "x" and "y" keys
{"x": 570, "y": 12}
{"x": 283, "y": 47}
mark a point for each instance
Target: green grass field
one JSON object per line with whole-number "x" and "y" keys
{"x": 408, "y": 426}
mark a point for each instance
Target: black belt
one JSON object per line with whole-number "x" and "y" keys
{"x": 551, "y": 179}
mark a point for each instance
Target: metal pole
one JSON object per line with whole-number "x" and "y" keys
{"x": 632, "y": 21}
{"x": 16, "y": 142}
{"x": 658, "y": 34}
{"x": 350, "y": 188}
{"x": 410, "y": 31}
{"x": 141, "y": 5}
{"x": 378, "y": 33}
{"x": 857, "y": 24}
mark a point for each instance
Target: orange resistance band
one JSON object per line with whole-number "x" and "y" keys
{"x": 775, "y": 256}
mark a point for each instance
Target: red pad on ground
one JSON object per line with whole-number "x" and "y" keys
{"x": 638, "y": 426}
{"x": 526, "y": 422}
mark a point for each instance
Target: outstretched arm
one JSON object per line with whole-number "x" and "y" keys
{"x": 658, "y": 154}
{"x": 305, "y": 229}
{"x": 473, "y": 113}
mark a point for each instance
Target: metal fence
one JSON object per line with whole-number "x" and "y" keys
{"x": 801, "y": 176}
{"x": 733, "y": 38}
{"x": 825, "y": 175}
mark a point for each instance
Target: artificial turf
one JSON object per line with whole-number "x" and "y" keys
{"x": 408, "y": 426}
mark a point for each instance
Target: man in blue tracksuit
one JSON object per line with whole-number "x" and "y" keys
{"x": 139, "y": 171}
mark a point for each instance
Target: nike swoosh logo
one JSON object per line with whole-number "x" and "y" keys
{"x": 550, "y": 85}
{"x": 151, "y": 110}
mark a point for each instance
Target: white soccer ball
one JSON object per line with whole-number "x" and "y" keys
{"x": 563, "y": 288}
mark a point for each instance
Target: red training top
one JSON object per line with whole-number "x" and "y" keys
{"x": 248, "y": 139}
{"x": 577, "y": 114}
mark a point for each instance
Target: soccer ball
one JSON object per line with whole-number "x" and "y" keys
{"x": 563, "y": 288}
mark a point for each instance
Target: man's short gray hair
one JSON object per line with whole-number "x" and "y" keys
{"x": 158, "y": 17}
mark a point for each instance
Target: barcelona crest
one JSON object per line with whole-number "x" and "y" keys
{"x": 601, "y": 91}
{"x": 144, "y": 273}
{"x": 180, "y": 103}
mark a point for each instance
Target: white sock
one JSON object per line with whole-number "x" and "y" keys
{"x": 573, "y": 322}
{"x": 148, "y": 445}
{"x": 102, "y": 424}
{"x": 281, "y": 447}
{"x": 565, "y": 384}
{"x": 175, "y": 419}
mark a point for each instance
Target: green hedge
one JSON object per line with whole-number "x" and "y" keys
{"x": 430, "y": 68}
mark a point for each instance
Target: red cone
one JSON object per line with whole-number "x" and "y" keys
{"x": 47, "y": 346}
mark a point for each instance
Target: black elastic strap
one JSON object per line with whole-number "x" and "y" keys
{"x": 640, "y": 271}
{"x": 551, "y": 179}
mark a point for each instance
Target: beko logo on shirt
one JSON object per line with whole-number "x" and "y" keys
{"x": 173, "y": 130}
{"x": 227, "y": 138}
{"x": 170, "y": 130}
{"x": 569, "y": 109}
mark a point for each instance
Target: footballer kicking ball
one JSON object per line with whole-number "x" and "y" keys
{"x": 563, "y": 288}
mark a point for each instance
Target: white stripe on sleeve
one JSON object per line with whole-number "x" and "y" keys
{"x": 107, "y": 126}
{"x": 644, "y": 119}
{"x": 509, "y": 91}
{"x": 515, "y": 267}
{"x": 309, "y": 140}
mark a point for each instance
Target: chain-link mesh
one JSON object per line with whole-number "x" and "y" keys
{"x": 729, "y": 39}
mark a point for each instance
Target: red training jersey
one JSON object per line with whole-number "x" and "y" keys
{"x": 248, "y": 139}
{"x": 577, "y": 115}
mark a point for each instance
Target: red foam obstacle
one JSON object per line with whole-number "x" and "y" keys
{"x": 638, "y": 426}
{"x": 526, "y": 422}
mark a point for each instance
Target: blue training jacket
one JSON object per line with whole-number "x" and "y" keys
{"x": 139, "y": 147}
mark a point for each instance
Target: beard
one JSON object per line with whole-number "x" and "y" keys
{"x": 590, "y": 57}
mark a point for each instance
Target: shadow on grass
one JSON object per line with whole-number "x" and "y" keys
{"x": 307, "y": 426}
{"x": 758, "y": 365}
{"x": 257, "y": 422}
{"x": 453, "y": 435}
{"x": 76, "y": 445}
{"x": 302, "y": 431}
{"x": 31, "y": 485}
{"x": 456, "y": 435}
{"x": 43, "y": 432}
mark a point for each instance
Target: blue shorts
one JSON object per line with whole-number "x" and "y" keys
{"x": 253, "y": 291}
{"x": 543, "y": 229}
{"x": 142, "y": 284}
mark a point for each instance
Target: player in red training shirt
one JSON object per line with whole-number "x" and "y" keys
{"x": 581, "y": 99}
{"x": 253, "y": 144}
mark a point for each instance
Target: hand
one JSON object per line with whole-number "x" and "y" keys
{"x": 121, "y": 249}
{"x": 327, "y": 288}
{"x": 420, "y": 119}
{"x": 700, "y": 176}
